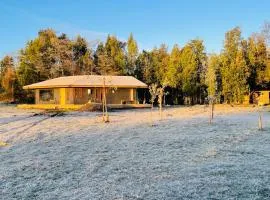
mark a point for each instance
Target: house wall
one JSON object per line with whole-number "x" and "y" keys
{"x": 36, "y": 96}
{"x": 121, "y": 95}
{"x": 65, "y": 96}
{"x": 69, "y": 94}
{"x": 264, "y": 98}
{"x": 80, "y": 96}
{"x": 56, "y": 97}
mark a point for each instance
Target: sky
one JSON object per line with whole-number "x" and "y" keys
{"x": 152, "y": 22}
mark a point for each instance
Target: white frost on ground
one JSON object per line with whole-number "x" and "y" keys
{"x": 75, "y": 156}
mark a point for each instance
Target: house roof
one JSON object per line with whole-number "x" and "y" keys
{"x": 89, "y": 81}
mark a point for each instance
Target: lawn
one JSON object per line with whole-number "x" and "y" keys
{"x": 76, "y": 156}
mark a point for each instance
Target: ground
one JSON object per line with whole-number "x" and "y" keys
{"x": 76, "y": 156}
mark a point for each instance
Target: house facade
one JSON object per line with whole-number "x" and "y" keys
{"x": 80, "y": 90}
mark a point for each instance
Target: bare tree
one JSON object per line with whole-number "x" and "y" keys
{"x": 266, "y": 31}
{"x": 160, "y": 92}
{"x": 211, "y": 100}
{"x": 153, "y": 89}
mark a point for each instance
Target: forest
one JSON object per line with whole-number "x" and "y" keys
{"x": 188, "y": 74}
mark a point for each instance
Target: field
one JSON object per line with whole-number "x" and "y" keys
{"x": 76, "y": 156}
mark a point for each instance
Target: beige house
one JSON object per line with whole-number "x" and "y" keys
{"x": 79, "y": 90}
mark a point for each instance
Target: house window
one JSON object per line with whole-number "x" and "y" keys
{"x": 46, "y": 95}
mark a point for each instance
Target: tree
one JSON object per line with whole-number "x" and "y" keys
{"x": 212, "y": 74}
{"x": 201, "y": 59}
{"x": 8, "y": 77}
{"x": 6, "y": 63}
{"x": 145, "y": 70}
{"x": 160, "y": 63}
{"x": 132, "y": 54}
{"x": 81, "y": 56}
{"x": 175, "y": 68}
{"x": 234, "y": 69}
{"x": 115, "y": 51}
{"x": 160, "y": 94}
{"x": 212, "y": 83}
{"x": 189, "y": 74}
{"x": 257, "y": 62}
{"x": 266, "y": 31}
{"x": 63, "y": 57}
{"x": 153, "y": 90}
{"x": 103, "y": 61}
{"x": 88, "y": 63}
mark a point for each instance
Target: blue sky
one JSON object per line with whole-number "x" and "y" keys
{"x": 151, "y": 22}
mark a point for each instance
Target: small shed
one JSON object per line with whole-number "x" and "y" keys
{"x": 264, "y": 98}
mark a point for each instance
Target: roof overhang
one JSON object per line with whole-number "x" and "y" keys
{"x": 78, "y": 86}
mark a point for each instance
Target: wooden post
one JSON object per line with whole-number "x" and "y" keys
{"x": 152, "y": 114}
{"x": 104, "y": 106}
{"x": 260, "y": 121}
{"x": 160, "y": 110}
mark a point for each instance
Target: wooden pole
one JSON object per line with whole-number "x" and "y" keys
{"x": 104, "y": 109}
{"x": 151, "y": 115}
{"x": 260, "y": 121}
{"x": 160, "y": 110}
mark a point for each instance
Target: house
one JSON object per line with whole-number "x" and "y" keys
{"x": 75, "y": 91}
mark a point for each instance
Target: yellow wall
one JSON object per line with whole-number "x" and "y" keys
{"x": 264, "y": 98}
{"x": 64, "y": 96}
{"x": 120, "y": 95}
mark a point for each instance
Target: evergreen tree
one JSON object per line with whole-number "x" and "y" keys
{"x": 200, "y": 58}
{"x": 189, "y": 74}
{"x": 212, "y": 76}
{"x": 257, "y": 62}
{"x": 174, "y": 73}
{"x": 160, "y": 61}
{"x": 132, "y": 54}
{"x": 79, "y": 51}
{"x": 145, "y": 69}
{"x": 234, "y": 68}
{"x": 103, "y": 61}
{"x": 115, "y": 52}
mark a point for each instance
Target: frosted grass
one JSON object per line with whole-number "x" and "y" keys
{"x": 77, "y": 157}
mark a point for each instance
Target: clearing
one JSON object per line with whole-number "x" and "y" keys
{"x": 76, "y": 156}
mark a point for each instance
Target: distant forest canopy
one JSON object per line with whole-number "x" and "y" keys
{"x": 188, "y": 74}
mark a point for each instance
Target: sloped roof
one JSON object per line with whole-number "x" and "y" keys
{"x": 89, "y": 81}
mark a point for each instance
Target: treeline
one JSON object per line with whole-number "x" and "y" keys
{"x": 187, "y": 73}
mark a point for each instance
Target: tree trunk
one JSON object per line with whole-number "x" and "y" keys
{"x": 160, "y": 110}
{"x": 211, "y": 117}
